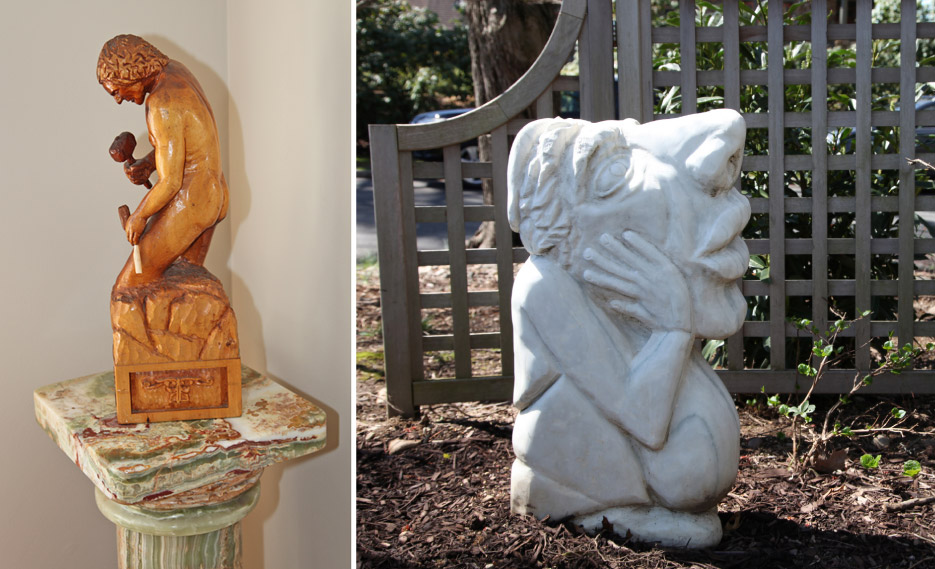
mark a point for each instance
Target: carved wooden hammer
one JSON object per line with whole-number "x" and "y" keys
{"x": 121, "y": 150}
{"x": 124, "y": 213}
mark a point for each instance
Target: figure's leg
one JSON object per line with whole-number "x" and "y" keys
{"x": 169, "y": 235}
{"x": 199, "y": 249}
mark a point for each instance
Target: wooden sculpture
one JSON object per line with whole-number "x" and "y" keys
{"x": 176, "y": 354}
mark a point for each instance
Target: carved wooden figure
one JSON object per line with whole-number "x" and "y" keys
{"x": 176, "y": 353}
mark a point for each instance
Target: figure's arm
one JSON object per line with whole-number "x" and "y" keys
{"x": 645, "y": 285}
{"x": 166, "y": 131}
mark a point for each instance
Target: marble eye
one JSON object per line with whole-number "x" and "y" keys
{"x": 613, "y": 177}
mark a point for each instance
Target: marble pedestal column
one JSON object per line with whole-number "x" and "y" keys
{"x": 178, "y": 490}
{"x": 185, "y": 538}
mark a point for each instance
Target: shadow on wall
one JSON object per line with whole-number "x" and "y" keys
{"x": 250, "y": 328}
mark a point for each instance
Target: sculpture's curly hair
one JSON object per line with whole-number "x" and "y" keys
{"x": 127, "y": 59}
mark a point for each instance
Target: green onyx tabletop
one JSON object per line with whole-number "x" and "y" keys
{"x": 177, "y": 463}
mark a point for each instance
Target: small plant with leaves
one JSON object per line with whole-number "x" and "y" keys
{"x": 825, "y": 353}
{"x": 912, "y": 468}
{"x": 869, "y": 461}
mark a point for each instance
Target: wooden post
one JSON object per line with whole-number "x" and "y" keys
{"x": 391, "y": 236}
{"x": 596, "y": 65}
{"x": 907, "y": 180}
{"x": 634, "y": 60}
{"x": 862, "y": 153}
{"x": 777, "y": 217}
{"x": 820, "y": 169}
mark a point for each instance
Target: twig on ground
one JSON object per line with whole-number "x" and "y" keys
{"x": 907, "y": 504}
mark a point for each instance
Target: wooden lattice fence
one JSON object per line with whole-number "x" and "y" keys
{"x": 591, "y": 25}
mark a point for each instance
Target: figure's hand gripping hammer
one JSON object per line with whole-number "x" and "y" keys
{"x": 124, "y": 213}
{"x": 121, "y": 150}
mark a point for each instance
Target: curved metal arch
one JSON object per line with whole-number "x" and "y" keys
{"x": 511, "y": 102}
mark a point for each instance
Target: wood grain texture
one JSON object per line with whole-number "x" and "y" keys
{"x": 392, "y": 236}
{"x": 596, "y": 65}
{"x": 731, "y": 43}
{"x": 907, "y": 182}
{"x": 862, "y": 152}
{"x": 177, "y": 216}
{"x": 151, "y": 393}
{"x": 777, "y": 244}
{"x": 689, "y": 80}
{"x": 500, "y": 146}
{"x": 819, "y": 200}
{"x": 454, "y": 200}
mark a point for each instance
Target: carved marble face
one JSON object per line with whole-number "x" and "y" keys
{"x": 671, "y": 182}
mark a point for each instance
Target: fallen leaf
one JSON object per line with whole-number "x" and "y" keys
{"x": 397, "y": 446}
{"x": 827, "y": 464}
{"x": 810, "y": 507}
{"x": 774, "y": 473}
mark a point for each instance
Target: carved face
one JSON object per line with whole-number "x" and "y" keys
{"x": 670, "y": 182}
{"x": 135, "y": 92}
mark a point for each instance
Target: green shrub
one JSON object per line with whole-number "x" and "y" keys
{"x": 407, "y": 63}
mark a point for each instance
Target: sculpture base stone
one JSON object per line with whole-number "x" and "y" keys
{"x": 185, "y": 538}
{"x": 176, "y": 351}
{"x": 668, "y": 528}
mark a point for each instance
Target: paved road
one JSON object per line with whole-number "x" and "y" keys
{"x": 428, "y": 235}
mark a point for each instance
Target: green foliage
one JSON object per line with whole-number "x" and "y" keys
{"x": 369, "y": 358}
{"x": 370, "y": 365}
{"x": 912, "y": 468}
{"x": 869, "y": 461}
{"x": 406, "y": 62}
{"x": 898, "y": 413}
{"x": 713, "y": 352}
{"x": 842, "y": 431}
{"x": 367, "y": 261}
{"x": 801, "y": 411}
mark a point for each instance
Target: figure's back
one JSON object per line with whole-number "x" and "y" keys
{"x": 179, "y": 97}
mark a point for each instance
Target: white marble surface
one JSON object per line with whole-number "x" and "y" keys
{"x": 634, "y": 235}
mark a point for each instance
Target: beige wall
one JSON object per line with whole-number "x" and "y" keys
{"x": 290, "y": 148}
{"x": 287, "y": 270}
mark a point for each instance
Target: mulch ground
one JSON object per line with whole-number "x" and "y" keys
{"x": 434, "y": 492}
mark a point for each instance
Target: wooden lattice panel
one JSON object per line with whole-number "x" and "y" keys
{"x": 589, "y": 25}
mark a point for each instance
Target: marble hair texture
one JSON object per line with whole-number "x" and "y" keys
{"x": 635, "y": 251}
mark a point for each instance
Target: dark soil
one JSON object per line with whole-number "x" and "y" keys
{"x": 434, "y": 492}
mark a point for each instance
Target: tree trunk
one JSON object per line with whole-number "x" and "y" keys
{"x": 505, "y": 38}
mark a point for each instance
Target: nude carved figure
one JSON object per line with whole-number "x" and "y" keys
{"x": 191, "y": 196}
{"x": 634, "y": 235}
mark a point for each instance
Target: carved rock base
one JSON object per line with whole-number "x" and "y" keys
{"x": 176, "y": 353}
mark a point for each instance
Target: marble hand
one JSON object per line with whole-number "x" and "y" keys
{"x": 643, "y": 282}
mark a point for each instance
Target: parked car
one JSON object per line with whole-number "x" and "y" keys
{"x": 569, "y": 108}
{"x": 469, "y": 150}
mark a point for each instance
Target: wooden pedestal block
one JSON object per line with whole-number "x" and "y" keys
{"x": 148, "y": 393}
{"x": 176, "y": 353}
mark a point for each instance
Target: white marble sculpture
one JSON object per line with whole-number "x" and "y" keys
{"x": 634, "y": 236}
